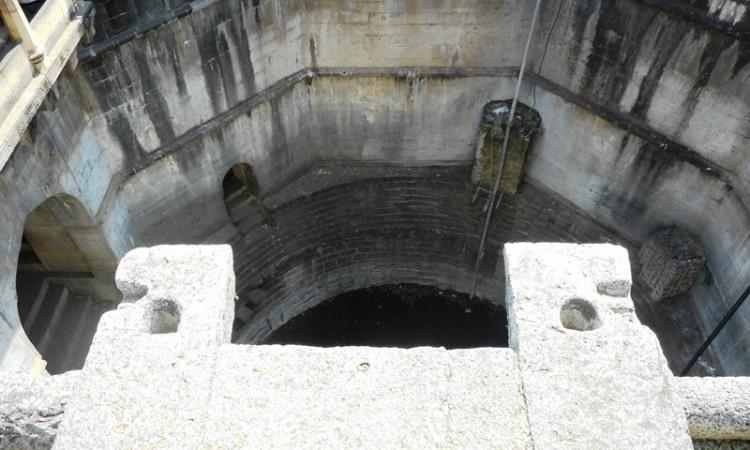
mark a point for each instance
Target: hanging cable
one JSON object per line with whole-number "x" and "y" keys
{"x": 541, "y": 61}
{"x": 716, "y": 331}
{"x": 503, "y": 151}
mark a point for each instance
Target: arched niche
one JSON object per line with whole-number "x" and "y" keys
{"x": 65, "y": 281}
{"x": 241, "y": 198}
{"x": 241, "y": 176}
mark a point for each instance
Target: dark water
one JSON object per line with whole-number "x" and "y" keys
{"x": 398, "y": 316}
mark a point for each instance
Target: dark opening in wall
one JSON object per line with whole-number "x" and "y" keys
{"x": 65, "y": 281}
{"x": 240, "y": 176}
{"x": 403, "y": 315}
{"x": 241, "y": 192}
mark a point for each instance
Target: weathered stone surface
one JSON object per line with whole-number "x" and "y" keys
{"x": 190, "y": 285}
{"x": 151, "y": 388}
{"x": 593, "y": 376}
{"x": 290, "y": 396}
{"x": 586, "y": 374}
{"x": 149, "y": 391}
{"x": 152, "y": 358}
{"x": 716, "y": 408}
{"x": 720, "y": 445}
{"x": 31, "y": 408}
{"x": 360, "y": 397}
{"x": 409, "y": 80}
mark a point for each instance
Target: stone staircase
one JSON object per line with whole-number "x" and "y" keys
{"x": 247, "y": 216}
{"x": 60, "y": 324}
{"x": 245, "y": 210}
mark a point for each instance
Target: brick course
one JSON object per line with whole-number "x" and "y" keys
{"x": 421, "y": 230}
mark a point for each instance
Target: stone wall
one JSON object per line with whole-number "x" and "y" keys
{"x": 683, "y": 80}
{"x": 669, "y": 69}
{"x": 115, "y": 17}
{"x": 159, "y": 377}
{"x": 65, "y": 158}
{"x": 393, "y": 225}
{"x": 191, "y": 386}
{"x": 144, "y": 132}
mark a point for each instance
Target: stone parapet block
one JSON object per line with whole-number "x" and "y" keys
{"x": 151, "y": 366}
{"x": 716, "y": 408}
{"x": 593, "y": 376}
{"x": 582, "y": 371}
{"x": 187, "y": 290}
{"x": 364, "y": 397}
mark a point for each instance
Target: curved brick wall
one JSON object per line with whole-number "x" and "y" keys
{"x": 644, "y": 113}
{"x": 421, "y": 229}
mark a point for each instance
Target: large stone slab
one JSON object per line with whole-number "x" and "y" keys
{"x": 161, "y": 374}
{"x": 717, "y": 408}
{"x": 151, "y": 365}
{"x": 593, "y": 376}
{"x": 154, "y": 396}
{"x": 362, "y": 397}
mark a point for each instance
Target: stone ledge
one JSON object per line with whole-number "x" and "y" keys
{"x": 574, "y": 378}
{"x": 582, "y": 378}
{"x": 593, "y": 376}
{"x": 716, "y": 408}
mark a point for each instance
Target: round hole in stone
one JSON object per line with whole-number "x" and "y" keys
{"x": 164, "y": 317}
{"x": 580, "y": 315}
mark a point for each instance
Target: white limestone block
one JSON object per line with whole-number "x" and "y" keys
{"x": 593, "y": 376}
{"x": 180, "y": 288}
{"x": 362, "y": 397}
{"x": 150, "y": 367}
{"x": 716, "y": 408}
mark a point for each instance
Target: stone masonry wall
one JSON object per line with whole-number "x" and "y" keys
{"x": 157, "y": 377}
{"x": 65, "y": 158}
{"x": 418, "y": 228}
{"x": 190, "y": 387}
{"x": 167, "y": 113}
{"x": 685, "y": 79}
{"x": 651, "y": 71}
{"x": 642, "y": 60}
